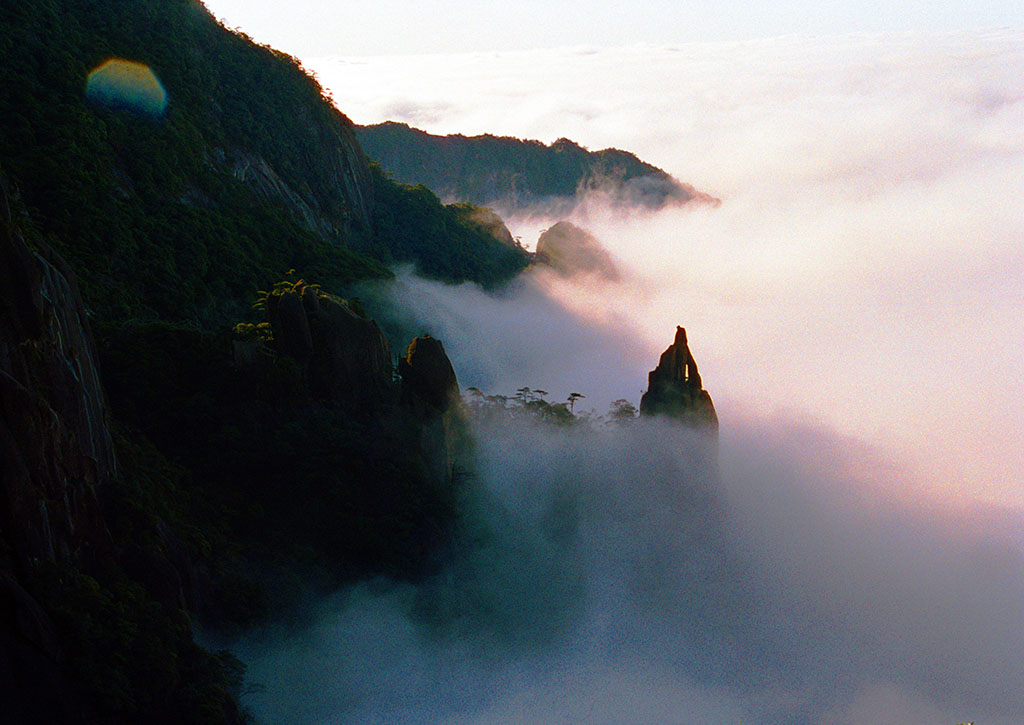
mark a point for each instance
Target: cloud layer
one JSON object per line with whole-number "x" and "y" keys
{"x": 867, "y": 264}
{"x": 604, "y": 576}
{"x": 855, "y": 308}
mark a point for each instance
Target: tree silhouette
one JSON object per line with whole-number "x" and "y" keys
{"x": 622, "y": 411}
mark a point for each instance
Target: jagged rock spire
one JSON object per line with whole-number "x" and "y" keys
{"x": 674, "y": 388}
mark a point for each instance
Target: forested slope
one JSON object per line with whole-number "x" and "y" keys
{"x": 520, "y": 175}
{"x": 157, "y": 468}
{"x": 249, "y": 172}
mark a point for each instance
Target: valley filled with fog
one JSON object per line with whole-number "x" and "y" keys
{"x": 849, "y": 549}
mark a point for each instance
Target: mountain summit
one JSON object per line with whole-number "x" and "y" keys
{"x": 674, "y": 388}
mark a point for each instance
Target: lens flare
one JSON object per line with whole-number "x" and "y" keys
{"x": 127, "y": 85}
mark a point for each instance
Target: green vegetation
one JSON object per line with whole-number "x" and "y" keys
{"x": 512, "y": 172}
{"x": 444, "y": 242}
{"x": 251, "y": 171}
{"x": 156, "y": 216}
{"x": 233, "y": 477}
{"x": 529, "y": 405}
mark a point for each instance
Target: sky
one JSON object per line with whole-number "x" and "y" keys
{"x": 307, "y": 28}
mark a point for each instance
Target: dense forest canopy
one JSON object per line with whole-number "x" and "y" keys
{"x": 519, "y": 175}
{"x": 249, "y": 172}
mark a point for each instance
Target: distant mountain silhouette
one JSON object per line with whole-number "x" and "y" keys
{"x": 515, "y": 175}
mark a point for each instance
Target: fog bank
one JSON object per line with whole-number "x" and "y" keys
{"x": 605, "y": 576}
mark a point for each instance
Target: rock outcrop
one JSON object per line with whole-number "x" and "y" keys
{"x": 429, "y": 385}
{"x": 570, "y": 250}
{"x": 351, "y": 363}
{"x": 674, "y": 389}
{"x": 430, "y": 391}
{"x": 345, "y": 361}
{"x": 350, "y": 189}
{"x": 55, "y": 448}
{"x": 345, "y": 357}
{"x": 487, "y": 220}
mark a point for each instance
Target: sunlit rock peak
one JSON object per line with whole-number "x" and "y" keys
{"x": 674, "y": 388}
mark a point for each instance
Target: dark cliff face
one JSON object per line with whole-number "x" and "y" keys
{"x": 345, "y": 172}
{"x": 674, "y": 389}
{"x": 56, "y": 449}
{"x": 428, "y": 378}
{"x": 430, "y": 391}
{"x": 55, "y": 452}
{"x": 345, "y": 357}
{"x": 79, "y": 603}
{"x": 345, "y": 363}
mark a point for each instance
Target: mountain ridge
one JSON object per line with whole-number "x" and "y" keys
{"x": 520, "y": 175}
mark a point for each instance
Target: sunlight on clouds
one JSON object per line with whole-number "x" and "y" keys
{"x": 867, "y": 263}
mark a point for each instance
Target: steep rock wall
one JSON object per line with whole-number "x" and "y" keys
{"x": 345, "y": 358}
{"x": 55, "y": 452}
{"x": 346, "y": 363}
{"x": 430, "y": 390}
{"x": 56, "y": 448}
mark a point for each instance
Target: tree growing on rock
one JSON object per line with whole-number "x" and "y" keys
{"x": 622, "y": 411}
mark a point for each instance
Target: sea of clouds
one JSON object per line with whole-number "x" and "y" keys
{"x": 855, "y": 307}
{"x": 866, "y": 266}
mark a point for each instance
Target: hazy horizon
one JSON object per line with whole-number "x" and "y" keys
{"x": 310, "y": 28}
